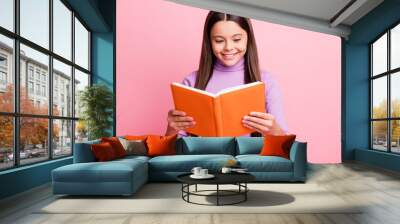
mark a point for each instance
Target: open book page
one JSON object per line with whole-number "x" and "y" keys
{"x": 194, "y": 89}
{"x": 236, "y": 104}
{"x": 198, "y": 105}
{"x": 235, "y": 88}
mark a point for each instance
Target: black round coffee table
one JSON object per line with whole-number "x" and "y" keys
{"x": 238, "y": 179}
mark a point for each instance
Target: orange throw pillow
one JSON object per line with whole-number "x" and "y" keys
{"x": 103, "y": 151}
{"x": 134, "y": 137}
{"x": 277, "y": 145}
{"x": 116, "y": 145}
{"x": 161, "y": 145}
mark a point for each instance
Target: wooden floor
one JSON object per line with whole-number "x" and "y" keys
{"x": 377, "y": 188}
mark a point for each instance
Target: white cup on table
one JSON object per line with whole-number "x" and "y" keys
{"x": 226, "y": 170}
{"x": 203, "y": 172}
{"x": 196, "y": 171}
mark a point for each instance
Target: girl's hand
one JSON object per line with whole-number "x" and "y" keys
{"x": 177, "y": 120}
{"x": 262, "y": 122}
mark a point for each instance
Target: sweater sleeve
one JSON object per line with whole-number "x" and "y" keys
{"x": 274, "y": 100}
{"x": 190, "y": 79}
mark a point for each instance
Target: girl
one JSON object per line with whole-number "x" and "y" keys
{"x": 229, "y": 58}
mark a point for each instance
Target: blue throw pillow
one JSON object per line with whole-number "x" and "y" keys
{"x": 249, "y": 145}
{"x": 206, "y": 145}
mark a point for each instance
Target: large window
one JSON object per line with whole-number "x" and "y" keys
{"x": 44, "y": 64}
{"x": 385, "y": 91}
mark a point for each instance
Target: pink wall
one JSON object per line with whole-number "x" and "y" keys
{"x": 158, "y": 42}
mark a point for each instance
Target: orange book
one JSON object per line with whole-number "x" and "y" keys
{"x": 219, "y": 114}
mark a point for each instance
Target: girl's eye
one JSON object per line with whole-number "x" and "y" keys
{"x": 237, "y": 40}
{"x": 219, "y": 41}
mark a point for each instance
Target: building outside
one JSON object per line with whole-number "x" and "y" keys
{"x": 34, "y": 82}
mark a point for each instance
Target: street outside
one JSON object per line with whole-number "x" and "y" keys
{"x": 381, "y": 145}
{"x": 32, "y": 156}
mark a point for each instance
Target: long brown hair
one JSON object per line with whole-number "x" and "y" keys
{"x": 207, "y": 58}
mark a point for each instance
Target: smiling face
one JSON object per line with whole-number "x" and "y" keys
{"x": 228, "y": 41}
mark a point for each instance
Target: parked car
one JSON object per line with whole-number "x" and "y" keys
{"x": 22, "y": 155}
{"x": 57, "y": 152}
{"x": 25, "y": 154}
{"x": 36, "y": 153}
{"x": 10, "y": 156}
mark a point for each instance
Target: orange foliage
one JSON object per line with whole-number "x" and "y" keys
{"x": 34, "y": 130}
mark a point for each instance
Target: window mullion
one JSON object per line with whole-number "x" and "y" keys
{"x": 16, "y": 84}
{"x": 50, "y": 79}
{"x": 371, "y": 89}
{"x": 73, "y": 82}
{"x": 389, "y": 113}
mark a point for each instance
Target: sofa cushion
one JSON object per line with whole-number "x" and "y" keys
{"x": 134, "y": 147}
{"x": 135, "y": 137}
{"x": 249, "y": 145}
{"x": 158, "y": 145}
{"x": 131, "y": 158}
{"x": 257, "y": 163}
{"x": 83, "y": 152}
{"x": 116, "y": 145}
{"x": 111, "y": 171}
{"x": 206, "y": 145}
{"x": 185, "y": 163}
{"x": 277, "y": 145}
{"x": 103, "y": 152}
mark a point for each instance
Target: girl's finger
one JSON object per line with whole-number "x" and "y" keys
{"x": 185, "y": 123}
{"x": 176, "y": 113}
{"x": 259, "y": 121}
{"x": 182, "y": 119}
{"x": 256, "y": 126}
{"x": 251, "y": 127}
{"x": 183, "y": 127}
{"x": 262, "y": 115}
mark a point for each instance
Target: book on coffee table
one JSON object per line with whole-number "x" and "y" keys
{"x": 219, "y": 114}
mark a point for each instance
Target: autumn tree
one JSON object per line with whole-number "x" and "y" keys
{"x": 6, "y": 122}
{"x": 33, "y": 131}
{"x": 81, "y": 129}
{"x": 380, "y": 127}
{"x": 396, "y": 124}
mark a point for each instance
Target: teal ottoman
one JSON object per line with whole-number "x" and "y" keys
{"x": 118, "y": 177}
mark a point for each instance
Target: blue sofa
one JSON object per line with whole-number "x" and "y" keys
{"x": 125, "y": 176}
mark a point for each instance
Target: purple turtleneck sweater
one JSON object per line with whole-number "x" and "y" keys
{"x": 229, "y": 76}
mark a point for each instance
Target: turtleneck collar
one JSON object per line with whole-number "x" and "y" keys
{"x": 239, "y": 66}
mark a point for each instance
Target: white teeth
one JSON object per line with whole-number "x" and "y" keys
{"x": 228, "y": 56}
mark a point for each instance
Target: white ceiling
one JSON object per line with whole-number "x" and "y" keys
{"x": 327, "y": 16}
{"x": 321, "y": 9}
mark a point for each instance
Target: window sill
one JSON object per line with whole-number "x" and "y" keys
{"x": 25, "y": 167}
{"x": 378, "y": 158}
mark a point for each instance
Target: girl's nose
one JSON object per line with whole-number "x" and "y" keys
{"x": 228, "y": 46}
